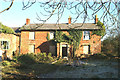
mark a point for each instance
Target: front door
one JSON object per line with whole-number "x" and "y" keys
{"x": 64, "y": 51}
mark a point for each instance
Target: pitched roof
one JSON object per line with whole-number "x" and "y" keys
{"x": 64, "y": 26}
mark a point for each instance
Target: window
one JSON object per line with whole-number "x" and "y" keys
{"x": 86, "y": 49}
{"x": 51, "y": 35}
{"x": 31, "y": 48}
{"x": 32, "y": 35}
{"x": 4, "y": 44}
{"x": 86, "y": 35}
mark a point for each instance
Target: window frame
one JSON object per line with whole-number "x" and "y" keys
{"x": 33, "y": 36}
{"x": 7, "y": 46}
{"x": 53, "y": 33}
{"x": 84, "y": 35}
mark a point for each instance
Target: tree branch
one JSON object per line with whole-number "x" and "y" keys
{"x": 8, "y": 7}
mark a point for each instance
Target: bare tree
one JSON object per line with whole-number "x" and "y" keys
{"x": 79, "y": 8}
{"x": 12, "y": 1}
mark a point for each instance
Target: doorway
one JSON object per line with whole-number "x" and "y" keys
{"x": 64, "y": 51}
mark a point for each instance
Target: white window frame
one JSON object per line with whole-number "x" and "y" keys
{"x": 85, "y": 35}
{"x": 7, "y": 46}
{"x": 33, "y": 36}
{"x": 86, "y": 49}
{"x": 52, "y": 33}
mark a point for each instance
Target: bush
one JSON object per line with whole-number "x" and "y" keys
{"x": 110, "y": 46}
{"x": 34, "y": 58}
{"x": 43, "y": 57}
{"x": 6, "y": 63}
{"x": 98, "y": 56}
{"x": 27, "y": 59}
{"x": 50, "y": 58}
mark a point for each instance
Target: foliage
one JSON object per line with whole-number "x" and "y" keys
{"x": 48, "y": 36}
{"x": 98, "y": 56}
{"x": 59, "y": 36}
{"x": 6, "y": 63}
{"x": 100, "y": 32}
{"x": 32, "y": 58}
{"x": 75, "y": 36}
{"x": 110, "y": 46}
{"x": 26, "y": 58}
{"x": 5, "y": 29}
{"x": 43, "y": 57}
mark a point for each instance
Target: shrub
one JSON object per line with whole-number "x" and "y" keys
{"x": 27, "y": 59}
{"x": 50, "y": 58}
{"x": 98, "y": 56}
{"x": 41, "y": 57}
{"x": 6, "y": 63}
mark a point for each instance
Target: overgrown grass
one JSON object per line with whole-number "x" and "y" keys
{"x": 30, "y": 65}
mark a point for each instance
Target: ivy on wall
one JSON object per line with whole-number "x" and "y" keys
{"x": 48, "y": 36}
{"x": 73, "y": 38}
{"x": 100, "y": 32}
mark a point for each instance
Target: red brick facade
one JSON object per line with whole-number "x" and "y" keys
{"x": 94, "y": 43}
{"x": 42, "y": 44}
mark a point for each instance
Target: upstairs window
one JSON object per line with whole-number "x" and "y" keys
{"x": 86, "y": 35}
{"x": 52, "y": 35}
{"x": 31, "y": 35}
{"x": 4, "y": 44}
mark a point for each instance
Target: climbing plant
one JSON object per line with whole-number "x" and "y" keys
{"x": 48, "y": 36}
{"x": 100, "y": 32}
{"x": 59, "y": 36}
{"x": 75, "y": 36}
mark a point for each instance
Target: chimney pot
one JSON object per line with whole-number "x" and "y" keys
{"x": 27, "y": 21}
{"x": 69, "y": 20}
{"x": 96, "y": 19}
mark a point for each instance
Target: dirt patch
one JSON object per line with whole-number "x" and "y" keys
{"x": 91, "y": 69}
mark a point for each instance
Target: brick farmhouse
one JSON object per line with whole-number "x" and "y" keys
{"x": 33, "y": 39}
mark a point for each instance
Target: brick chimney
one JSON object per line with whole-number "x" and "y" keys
{"x": 96, "y": 19}
{"x": 27, "y": 21}
{"x": 69, "y": 20}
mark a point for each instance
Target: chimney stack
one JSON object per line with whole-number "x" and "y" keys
{"x": 27, "y": 21}
{"x": 96, "y": 19}
{"x": 69, "y": 20}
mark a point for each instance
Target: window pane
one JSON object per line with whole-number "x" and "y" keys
{"x": 4, "y": 44}
{"x": 86, "y": 35}
{"x": 51, "y": 35}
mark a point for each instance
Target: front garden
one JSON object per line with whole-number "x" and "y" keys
{"x": 45, "y": 66}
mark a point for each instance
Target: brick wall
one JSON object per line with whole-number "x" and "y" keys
{"x": 94, "y": 43}
{"x": 42, "y": 44}
{"x": 13, "y": 43}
